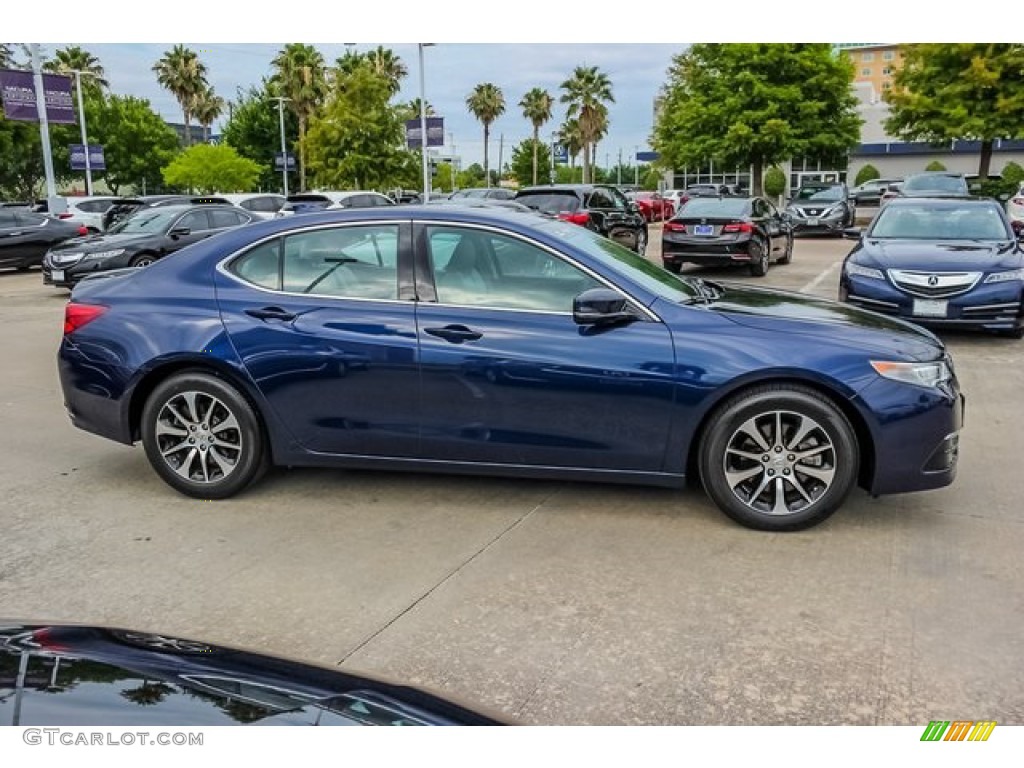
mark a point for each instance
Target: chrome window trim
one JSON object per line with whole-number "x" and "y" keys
{"x": 222, "y": 267}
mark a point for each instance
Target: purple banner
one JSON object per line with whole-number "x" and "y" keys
{"x": 18, "y": 91}
{"x": 414, "y": 133}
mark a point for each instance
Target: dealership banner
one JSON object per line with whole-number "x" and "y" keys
{"x": 96, "y": 160}
{"x": 414, "y": 133}
{"x": 18, "y": 90}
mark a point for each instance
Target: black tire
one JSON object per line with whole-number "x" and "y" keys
{"x": 787, "y": 257}
{"x": 746, "y": 486}
{"x": 674, "y": 267}
{"x": 641, "y": 241}
{"x": 758, "y": 258}
{"x": 231, "y": 455}
{"x": 142, "y": 260}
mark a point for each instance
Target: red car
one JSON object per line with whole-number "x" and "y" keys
{"x": 653, "y": 206}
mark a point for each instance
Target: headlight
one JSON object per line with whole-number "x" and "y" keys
{"x": 835, "y": 210}
{"x": 64, "y": 258}
{"x": 920, "y": 374}
{"x": 1002, "y": 277}
{"x": 856, "y": 269}
{"x": 105, "y": 254}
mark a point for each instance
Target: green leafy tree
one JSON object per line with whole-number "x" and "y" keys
{"x": 357, "y": 141}
{"x": 300, "y": 76}
{"x": 947, "y": 91}
{"x": 935, "y": 165}
{"x": 586, "y": 93}
{"x": 536, "y": 105}
{"x": 525, "y": 157}
{"x": 486, "y": 103}
{"x": 212, "y": 168}
{"x": 867, "y": 173}
{"x": 181, "y": 72}
{"x": 473, "y": 176}
{"x": 442, "y": 177}
{"x": 756, "y": 104}
{"x": 21, "y": 160}
{"x": 137, "y": 143}
{"x": 1013, "y": 173}
{"x": 254, "y": 131}
{"x": 775, "y": 182}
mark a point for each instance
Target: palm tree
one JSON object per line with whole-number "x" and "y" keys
{"x": 586, "y": 93}
{"x": 207, "y": 107}
{"x": 411, "y": 109}
{"x": 6, "y": 56}
{"x": 486, "y": 103}
{"x": 536, "y": 106}
{"x": 389, "y": 66}
{"x": 301, "y": 77}
{"x": 573, "y": 140}
{"x": 182, "y": 73}
{"x": 73, "y": 58}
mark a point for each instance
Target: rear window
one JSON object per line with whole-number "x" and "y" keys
{"x": 938, "y": 183}
{"x": 714, "y": 206}
{"x": 550, "y": 202}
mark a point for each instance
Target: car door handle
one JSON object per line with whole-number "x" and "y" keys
{"x": 456, "y": 334}
{"x": 271, "y": 313}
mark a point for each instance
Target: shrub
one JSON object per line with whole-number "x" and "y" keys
{"x": 1013, "y": 173}
{"x": 774, "y": 181}
{"x": 935, "y": 165}
{"x": 867, "y": 173}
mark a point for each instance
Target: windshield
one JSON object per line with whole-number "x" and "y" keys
{"x": 820, "y": 194}
{"x": 921, "y": 222}
{"x": 938, "y": 182}
{"x": 652, "y": 277}
{"x": 713, "y": 206}
{"x": 145, "y": 222}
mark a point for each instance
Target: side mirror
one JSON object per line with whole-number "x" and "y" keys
{"x": 601, "y": 306}
{"x": 180, "y": 232}
{"x": 853, "y": 233}
{"x": 894, "y": 187}
{"x": 633, "y": 207}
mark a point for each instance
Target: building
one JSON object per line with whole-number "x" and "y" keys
{"x": 874, "y": 65}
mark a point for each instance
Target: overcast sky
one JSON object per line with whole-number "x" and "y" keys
{"x": 452, "y": 70}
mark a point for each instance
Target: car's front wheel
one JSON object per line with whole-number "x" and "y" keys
{"x": 758, "y": 258}
{"x": 202, "y": 436}
{"x": 778, "y": 458}
{"x": 641, "y": 241}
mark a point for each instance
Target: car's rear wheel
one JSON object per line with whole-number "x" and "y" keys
{"x": 758, "y": 258}
{"x": 202, "y": 436}
{"x": 787, "y": 257}
{"x": 641, "y": 241}
{"x": 778, "y": 458}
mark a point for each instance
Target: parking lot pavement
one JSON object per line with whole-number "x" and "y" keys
{"x": 556, "y": 603}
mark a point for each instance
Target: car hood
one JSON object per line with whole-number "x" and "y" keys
{"x": 931, "y": 256}
{"x": 802, "y": 314}
{"x": 94, "y": 243}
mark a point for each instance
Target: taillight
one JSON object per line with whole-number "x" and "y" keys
{"x": 65, "y": 215}
{"x": 83, "y": 230}
{"x": 78, "y": 315}
{"x": 575, "y": 218}
{"x": 1018, "y": 201}
{"x": 673, "y": 226}
{"x": 743, "y": 226}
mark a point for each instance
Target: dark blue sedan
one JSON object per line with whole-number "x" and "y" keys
{"x": 942, "y": 263}
{"x": 503, "y": 343}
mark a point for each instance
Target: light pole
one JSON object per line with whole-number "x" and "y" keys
{"x": 452, "y": 137}
{"x": 636, "y": 167}
{"x": 423, "y": 125}
{"x": 85, "y": 133}
{"x": 54, "y": 204}
{"x": 284, "y": 152}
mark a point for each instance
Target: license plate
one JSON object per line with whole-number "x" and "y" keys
{"x": 57, "y": 275}
{"x": 704, "y": 229}
{"x": 812, "y": 222}
{"x": 929, "y": 308}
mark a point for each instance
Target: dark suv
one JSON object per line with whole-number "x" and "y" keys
{"x": 822, "y": 207}
{"x": 600, "y": 207}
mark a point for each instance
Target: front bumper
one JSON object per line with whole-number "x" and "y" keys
{"x": 810, "y": 225}
{"x": 67, "y": 275}
{"x": 987, "y": 306}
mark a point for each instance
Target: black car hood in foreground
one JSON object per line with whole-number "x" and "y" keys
{"x": 57, "y": 675}
{"x": 803, "y": 314}
{"x": 937, "y": 255}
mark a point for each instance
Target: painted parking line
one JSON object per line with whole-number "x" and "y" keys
{"x": 824, "y": 275}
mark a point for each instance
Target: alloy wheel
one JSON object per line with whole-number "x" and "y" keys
{"x": 198, "y": 437}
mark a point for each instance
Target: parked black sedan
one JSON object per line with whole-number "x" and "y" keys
{"x": 139, "y": 240}
{"x": 61, "y": 675}
{"x": 598, "y": 207}
{"x": 25, "y": 237}
{"x": 123, "y": 207}
{"x": 727, "y": 230}
{"x": 941, "y": 263}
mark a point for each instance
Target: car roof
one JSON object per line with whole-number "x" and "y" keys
{"x": 182, "y": 207}
{"x": 233, "y": 197}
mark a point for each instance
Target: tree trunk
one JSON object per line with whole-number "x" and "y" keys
{"x": 986, "y": 159}
{"x": 757, "y": 183}
{"x": 302, "y": 154}
{"x": 586, "y": 162}
{"x": 487, "y": 168}
{"x": 188, "y": 129}
{"x": 536, "y": 142}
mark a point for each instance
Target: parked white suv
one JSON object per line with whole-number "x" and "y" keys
{"x": 262, "y": 205}
{"x": 85, "y": 211}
